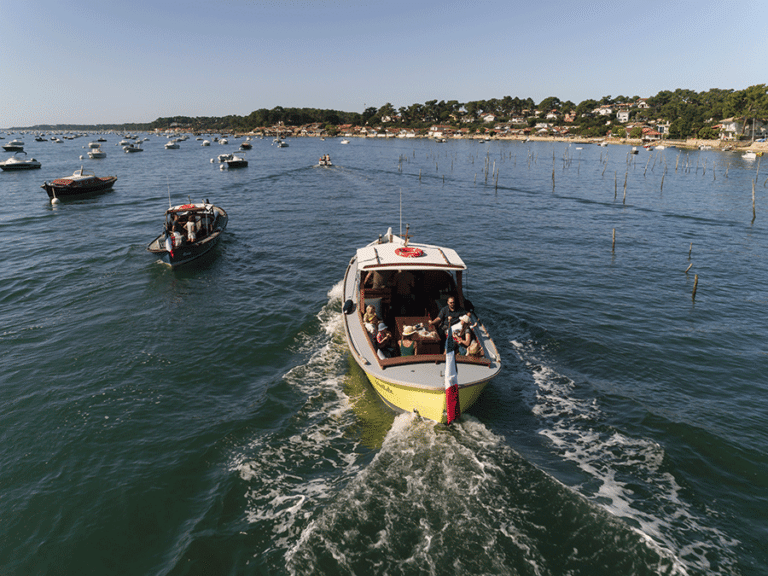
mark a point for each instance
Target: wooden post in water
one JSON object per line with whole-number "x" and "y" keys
{"x": 753, "y": 200}
{"x": 625, "y": 186}
{"x": 689, "y": 267}
{"x": 613, "y": 242}
{"x": 690, "y": 248}
{"x": 695, "y": 285}
{"x": 615, "y": 184}
{"x": 553, "y": 178}
{"x": 662, "y": 184}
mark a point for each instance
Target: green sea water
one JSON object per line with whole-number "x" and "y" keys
{"x": 210, "y": 420}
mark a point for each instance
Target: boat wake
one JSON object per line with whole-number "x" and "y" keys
{"x": 342, "y": 486}
{"x": 460, "y": 501}
{"x": 625, "y": 476}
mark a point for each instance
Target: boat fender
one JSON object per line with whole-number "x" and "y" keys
{"x": 349, "y": 307}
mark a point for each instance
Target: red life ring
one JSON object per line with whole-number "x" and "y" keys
{"x": 408, "y": 252}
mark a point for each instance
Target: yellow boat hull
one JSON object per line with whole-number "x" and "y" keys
{"x": 426, "y": 402}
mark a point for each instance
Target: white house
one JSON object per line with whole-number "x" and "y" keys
{"x": 622, "y": 116}
{"x": 604, "y": 110}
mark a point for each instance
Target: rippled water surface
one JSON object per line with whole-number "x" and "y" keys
{"x": 210, "y": 420}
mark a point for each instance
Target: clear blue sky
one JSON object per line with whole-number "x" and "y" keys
{"x": 105, "y": 61}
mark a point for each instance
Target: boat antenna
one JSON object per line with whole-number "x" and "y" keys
{"x": 401, "y": 211}
{"x": 169, "y": 191}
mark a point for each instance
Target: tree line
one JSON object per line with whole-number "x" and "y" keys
{"x": 688, "y": 114}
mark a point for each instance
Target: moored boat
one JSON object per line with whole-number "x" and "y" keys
{"x": 426, "y": 277}
{"x": 235, "y": 161}
{"x": 80, "y": 183}
{"x": 96, "y": 152}
{"x": 14, "y": 146}
{"x": 17, "y": 163}
{"x": 189, "y": 231}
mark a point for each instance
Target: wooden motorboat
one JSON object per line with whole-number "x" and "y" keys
{"x": 80, "y": 183}
{"x": 430, "y": 276}
{"x": 206, "y": 222}
{"x": 17, "y": 163}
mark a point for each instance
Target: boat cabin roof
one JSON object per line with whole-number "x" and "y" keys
{"x": 184, "y": 208}
{"x": 395, "y": 255}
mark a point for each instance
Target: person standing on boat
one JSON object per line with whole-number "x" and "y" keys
{"x": 452, "y": 311}
{"x": 405, "y": 284}
{"x": 190, "y": 226}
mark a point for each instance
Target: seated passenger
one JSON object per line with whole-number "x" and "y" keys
{"x": 447, "y": 316}
{"x": 408, "y": 347}
{"x": 384, "y": 341}
{"x": 462, "y": 333}
{"x": 371, "y": 319}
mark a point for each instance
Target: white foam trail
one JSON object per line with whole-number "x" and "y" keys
{"x": 632, "y": 483}
{"x": 281, "y": 496}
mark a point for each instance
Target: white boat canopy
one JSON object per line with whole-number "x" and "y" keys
{"x": 395, "y": 255}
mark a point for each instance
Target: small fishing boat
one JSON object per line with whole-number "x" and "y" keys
{"x": 325, "y": 160}
{"x": 172, "y": 145}
{"x": 633, "y": 150}
{"x": 17, "y": 163}
{"x": 80, "y": 183}
{"x": 282, "y": 144}
{"x": 189, "y": 231}
{"x": 14, "y": 146}
{"x": 344, "y": 141}
{"x": 246, "y": 145}
{"x": 133, "y": 148}
{"x": 96, "y": 152}
{"x": 426, "y": 277}
{"x": 749, "y": 155}
{"x": 232, "y": 161}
